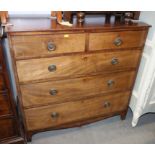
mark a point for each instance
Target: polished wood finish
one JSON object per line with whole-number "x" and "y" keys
{"x": 38, "y": 118}
{"x": 37, "y": 45}
{"x": 5, "y": 107}
{"x": 136, "y": 15}
{"x": 44, "y": 25}
{"x": 10, "y": 130}
{"x": 69, "y": 85}
{"x": 73, "y": 89}
{"x": 2, "y": 85}
{"x": 76, "y": 65}
{"x": 7, "y": 128}
{"x": 130, "y": 39}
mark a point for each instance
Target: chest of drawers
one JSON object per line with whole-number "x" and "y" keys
{"x": 69, "y": 77}
{"x": 10, "y": 131}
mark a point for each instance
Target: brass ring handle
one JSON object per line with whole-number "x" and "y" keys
{"x": 106, "y": 104}
{"x": 53, "y": 92}
{"x": 110, "y": 83}
{"x": 51, "y": 46}
{"x": 114, "y": 61}
{"x": 54, "y": 115}
{"x": 118, "y": 42}
{"x": 52, "y": 68}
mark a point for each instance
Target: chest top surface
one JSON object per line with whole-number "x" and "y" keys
{"x": 46, "y": 24}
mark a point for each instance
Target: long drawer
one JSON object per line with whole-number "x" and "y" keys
{"x": 69, "y": 66}
{"x": 5, "y": 108}
{"x": 45, "y": 45}
{"x": 57, "y": 115}
{"x": 38, "y": 94}
{"x": 7, "y": 128}
{"x": 116, "y": 40}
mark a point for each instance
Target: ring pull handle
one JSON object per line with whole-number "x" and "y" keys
{"x": 51, "y": 46}
{"x": 52, "y": 68}
{"x": 114, "y": 61}
{"x": 54, "y": 115}
{"x": 118, "y": 42}
{"x": 53, "y": 92}
{"x": 106, "y": 104}
{"x": 110, "y": 83}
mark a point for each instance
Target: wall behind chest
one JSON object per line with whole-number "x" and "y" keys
{"x": 142, "y": 100}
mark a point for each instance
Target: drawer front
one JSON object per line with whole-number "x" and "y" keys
{"x": 7, "y": 128}
{"x": 116, "y": 40}
{"x": 2, "y": 84}
{"x": 73, "y": 89}
{"x": 46, "y": 45}
{"x": 4, "y": 105}
{"x": 57, "y": 115}
{"x": 71, "y": 66}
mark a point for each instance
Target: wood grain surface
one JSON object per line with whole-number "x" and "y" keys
{"x": 130, "y": 39}
{"x": 37, "y": 45}
{"x": 7, "y": 128}
{"x": 38, "y": 94}
{"x": 38, "y": 118}
{"x": 85, "y": 60}
{"x": 5, "y": 107}
{"x": 76, "y": 65}
{"x": 2, "y": 85}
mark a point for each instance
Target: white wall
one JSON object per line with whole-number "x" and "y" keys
{"x": 149, "y": 17}
{"x": 29, "y": 13}
{"x": 143, "y": 98}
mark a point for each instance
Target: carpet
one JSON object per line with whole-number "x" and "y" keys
{"x": 108, "y": 131}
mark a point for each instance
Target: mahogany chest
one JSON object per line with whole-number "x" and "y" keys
{"x": 71, "y": 76}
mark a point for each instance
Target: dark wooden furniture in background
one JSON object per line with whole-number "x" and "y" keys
{"x": 71, "y": 76}
{"x": 68, "y": 15}
{"x": 10, "y": 130}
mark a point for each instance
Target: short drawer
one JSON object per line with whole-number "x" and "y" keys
{"x": 7, "y": 128}
{"x": 73, "y": 89}
{"x": 47, "y": 45}
{"x": 2, "y": 84}
{"x": 116, "y": 40}
{"x": 81, "y": 64}
{"x": 4, "y": 104}
{"x": 60, "y": 114}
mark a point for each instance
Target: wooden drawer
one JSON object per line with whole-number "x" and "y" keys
{"x": 4, "y": 105}
{"x": 2, "y": 84}
{"x": 72, "y": 89}
{"x": 57, "y": 115}
{"x": 45, "y": 45}
{"x": 116, "y": 40}
{"x": 71, "y": 66}
{"x": 7, "y": 128}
